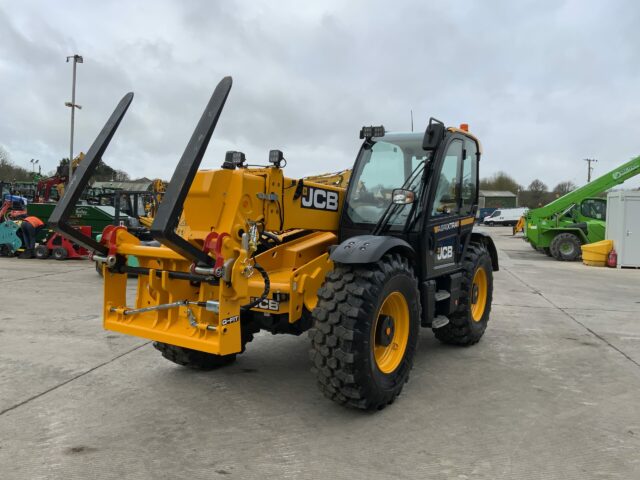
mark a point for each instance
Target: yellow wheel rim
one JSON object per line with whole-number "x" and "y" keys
{"x": 391, "y": 332}
{"x": 479, "y": 289}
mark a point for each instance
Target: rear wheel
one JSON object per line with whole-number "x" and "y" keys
{"x": 565, "y": 247}
{"x": 365, "y": 332}
{"x": 60, "y": 253}
{"x": 468, "y": 324}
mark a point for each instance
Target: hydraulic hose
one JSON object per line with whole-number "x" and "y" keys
{"x": 267, "y": 288}
{"x": 271, "y": 236}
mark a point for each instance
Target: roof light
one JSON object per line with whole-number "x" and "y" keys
{"x": 276, "y": 157}
{"x": 464, "y": 127}
{"x": 368, "y": 132}
{"x": 233, "y": 159}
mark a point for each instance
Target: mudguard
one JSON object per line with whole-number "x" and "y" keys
{"x": 491, "y": 247}
{"x": 368, "y": 249}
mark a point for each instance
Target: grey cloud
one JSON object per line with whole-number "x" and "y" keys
{"x": 543, "y": 84}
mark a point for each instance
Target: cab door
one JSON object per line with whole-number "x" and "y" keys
{"x": 452, "y": 205}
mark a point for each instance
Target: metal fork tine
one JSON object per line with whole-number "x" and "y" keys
{"x": 60, "y": 216}
{"x": 166, "y": 220}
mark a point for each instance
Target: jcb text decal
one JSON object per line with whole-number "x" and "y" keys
{"x": 445, "y": 252}
{"x": 267, "y": 304}
{"x": 320, "y": 199}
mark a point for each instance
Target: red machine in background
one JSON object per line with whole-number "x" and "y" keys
{"x": 12, "y": 209}
{"x": 61, "y": 248}
{"x": 51, "y": 189}
{"x": 46, "y": 186}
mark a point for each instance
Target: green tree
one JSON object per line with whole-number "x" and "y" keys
{"x": 103, "y": 172}
{"x": 9, "y": 172}
{"x": 500, "y": 181}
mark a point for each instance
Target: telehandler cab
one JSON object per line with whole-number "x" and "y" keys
{"x": 246, "y": 248}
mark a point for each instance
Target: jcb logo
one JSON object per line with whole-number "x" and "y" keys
{"x": 444, "y": 253}
{"x": 267, "y": 304}
{"x": 320, "y": 199}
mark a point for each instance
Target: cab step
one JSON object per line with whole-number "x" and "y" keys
{"x": 442, "y": 295}
{"x": 439, "y": 321}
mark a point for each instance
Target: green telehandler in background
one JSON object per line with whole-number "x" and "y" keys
{"x": 562, "y": 226}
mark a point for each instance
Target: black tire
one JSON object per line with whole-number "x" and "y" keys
{"x": 41, "y": 252}
{"x": 60, "y": 253}
{"x": 489, "y": 224}
{"x": 565, "y": 247}
{"x": 547, "y": 251}
{"x": 196, "y": 359}
{"x": 345, "y": 321}
{"x": 462, "y": 328}
{"x": 193, "y": 358}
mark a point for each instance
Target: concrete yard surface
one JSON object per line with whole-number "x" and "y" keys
{"x": 552, "y": 391}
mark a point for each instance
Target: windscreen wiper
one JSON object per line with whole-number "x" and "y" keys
{"x": 389, "y": 211}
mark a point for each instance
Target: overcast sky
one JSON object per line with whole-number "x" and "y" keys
{"x": 543, "y": 84}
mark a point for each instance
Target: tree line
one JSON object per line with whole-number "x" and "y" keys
{"x": 10, "y": 172}
{"x": 535, "y": 195}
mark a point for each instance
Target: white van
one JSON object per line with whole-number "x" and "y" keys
{"x": 505, "y": 216}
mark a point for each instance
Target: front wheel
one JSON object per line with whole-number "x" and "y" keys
{"x": 198, "y": 360}
{"x": 365, "y": 332}
{"x": 193, "y": 358}
{"x": 467, "y": 325}
{"x": 41, "y": 252}
{"x": 565, "y": 247}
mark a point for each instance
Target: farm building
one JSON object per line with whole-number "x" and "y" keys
{"x": 497, "y": 199}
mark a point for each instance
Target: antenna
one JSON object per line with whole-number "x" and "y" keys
{"x": 412, "y": 120}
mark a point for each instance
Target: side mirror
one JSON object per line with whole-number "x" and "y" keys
{"x": 433, "y": 135}
{"x": 401, "y": 196}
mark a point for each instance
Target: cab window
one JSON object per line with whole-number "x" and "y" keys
{"x": 447, "y": 194}
{"x": 594, "y": 208}
{"x": 469, "y": 176}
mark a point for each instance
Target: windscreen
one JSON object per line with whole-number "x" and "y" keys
{"x": 395, "y": 161}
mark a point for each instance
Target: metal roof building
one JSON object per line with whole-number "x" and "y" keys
{"x": 129, "y": 186}
{"x": 497, "y": 199}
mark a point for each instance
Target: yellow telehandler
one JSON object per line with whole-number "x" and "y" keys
{"x": 361, "y": 269}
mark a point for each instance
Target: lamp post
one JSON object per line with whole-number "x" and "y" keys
{"x": 33, "y": 163}
{"x": 72, "y": 104}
